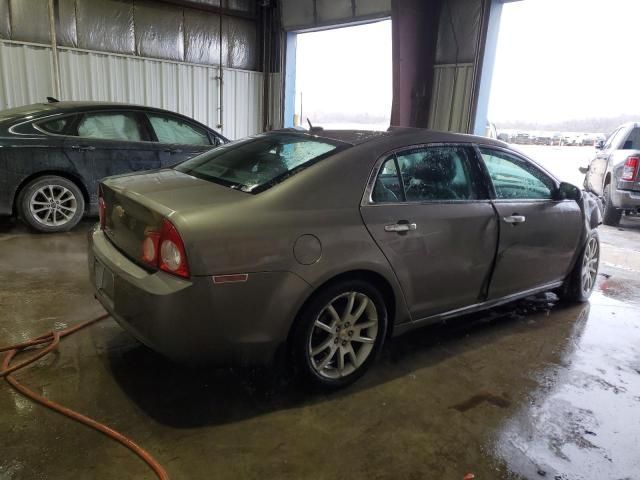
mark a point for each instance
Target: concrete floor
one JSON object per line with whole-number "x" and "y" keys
{"x": 527, "y": 392}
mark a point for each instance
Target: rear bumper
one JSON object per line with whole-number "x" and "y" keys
{"x": 196, "y": 321}
{"x": 626, "y": 199}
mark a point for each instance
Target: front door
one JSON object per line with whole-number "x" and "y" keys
{"x": 429, "y": 215}
{"x": 179, "y": 140}
{"x": 538, "y": 235}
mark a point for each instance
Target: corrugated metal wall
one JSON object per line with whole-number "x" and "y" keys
{"x": 306, "y": 14}
{"x": 450, "y": 100}
{"x": 190, "y": 89}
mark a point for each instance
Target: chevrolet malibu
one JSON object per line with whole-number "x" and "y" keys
{"x": 318, "y": 246}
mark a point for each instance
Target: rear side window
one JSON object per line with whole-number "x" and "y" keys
{"x": 110, "y": 126}
{"x": 515, "y": 178}
{"x": 426, "y": 174}
{"x": 633, "y": 140}
{"x": 173, "y": 130}
{"x": 59, "y": 126}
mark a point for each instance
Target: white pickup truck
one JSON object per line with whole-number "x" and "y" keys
{"x": 613, "y": 173}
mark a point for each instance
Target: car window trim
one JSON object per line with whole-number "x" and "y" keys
{"x": 181, "y": 119}
{"x": 367, "y": 199}
{"x": 518, "y": 155}
{"x": 57, "y": 116}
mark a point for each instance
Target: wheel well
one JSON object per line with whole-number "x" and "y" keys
{"x": 607, "y": 179}
{"x": 369, "y": 276}
{"x": 69, "y": 176}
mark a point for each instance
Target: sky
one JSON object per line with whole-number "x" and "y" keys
{"x": 566, "y": 59}
{"x": 345, "y": 70}
{"x": 556, "y": 60}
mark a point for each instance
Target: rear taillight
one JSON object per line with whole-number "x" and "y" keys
{"x": 630, "y": 169}
{"x": 102, "y": 209}
{"x": 165, "y": 250}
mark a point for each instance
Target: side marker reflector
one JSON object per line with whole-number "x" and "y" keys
{"x": 236, "y": 278}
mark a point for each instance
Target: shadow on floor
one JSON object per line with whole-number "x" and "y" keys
{"x": 185, "y": 397}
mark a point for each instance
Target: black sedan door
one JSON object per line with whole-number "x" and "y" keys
{"x": 179, "y": 139}
{"x": 109, "y": 143}
{"x": 538, "y": 234}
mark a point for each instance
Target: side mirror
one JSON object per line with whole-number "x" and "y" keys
{"x": 566, "y": 191}
{"x": 599, "y": 144}
{"x": 583, "y": 170}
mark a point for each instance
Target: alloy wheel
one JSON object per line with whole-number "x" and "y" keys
{"x": 53, "y": 205}
{"x": 590, "y": 265}
{"x": 343, "y": 335}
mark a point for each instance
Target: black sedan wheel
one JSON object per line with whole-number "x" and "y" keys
{"x": 51, "y": 204}
{"x": 611, "y": 215}
{"x": 339, "y": 334}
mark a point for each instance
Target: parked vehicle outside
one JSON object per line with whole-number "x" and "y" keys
{"x": 315, "y": 247}
{"x": 52, "y": 155}
{"x": 613, "y": 173}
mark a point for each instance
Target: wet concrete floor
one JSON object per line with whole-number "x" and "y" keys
{"x": 530, "y": 391}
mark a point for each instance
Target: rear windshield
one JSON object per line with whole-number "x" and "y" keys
{"x": 23, "y": 111}
{"x": 257, "y": 163}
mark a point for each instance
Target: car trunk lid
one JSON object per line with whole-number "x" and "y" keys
{"x": 135, "y": 205}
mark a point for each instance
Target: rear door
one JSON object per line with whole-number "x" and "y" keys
{"x": 112, "y": 142}
{"x": 598, "y": 166}
{"x": 538, "y": 234}
{"x": 427, "y": 210}
{"x": 178, "y": 138}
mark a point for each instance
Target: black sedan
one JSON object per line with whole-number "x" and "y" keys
{"x": 52, "y": 155}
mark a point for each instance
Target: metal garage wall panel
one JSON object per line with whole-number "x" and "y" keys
{"x": 297, "y": 13}
{"x": 242, "y": 41}
{"x": 5, "y": 21}
{"x": 30, "y": 20}
{"x": 158, "y": 30}
{"x": 242, "y": 107}
{"x": 25, "y": 74}
{"x": 332, "y": 10}
{"x": 373, "y": 7}
{"x": 66, "y": 32}
{"x": 459, "y": 31}
{"x": 202, "y": 37}
{"x": 275, "y": 101}
{"x": 452, "y": 87}
{"x": 105, "y": 25}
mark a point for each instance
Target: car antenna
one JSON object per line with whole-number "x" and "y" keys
{"x": 52, "y": 100}
{"x": 312, "y": 128}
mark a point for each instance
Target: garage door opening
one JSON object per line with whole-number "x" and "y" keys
{"x": 344, "y": 77}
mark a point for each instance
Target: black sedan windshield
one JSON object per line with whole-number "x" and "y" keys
{"x": 257, "y": 163}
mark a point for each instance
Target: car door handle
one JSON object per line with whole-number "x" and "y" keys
{"x": 400, "y": 227}
{"x": 84, "y": 148}
{"x": 173, "y": 150}
{"x": 513, "y": 219}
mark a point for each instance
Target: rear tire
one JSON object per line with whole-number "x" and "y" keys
{"x": 338, "y": 334}
{"x": 611, "y": 214}
{"x": 51, "y": 204}
{"x": 580, "y": 283}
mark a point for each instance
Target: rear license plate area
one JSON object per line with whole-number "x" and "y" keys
{"x": 104, "y": 280}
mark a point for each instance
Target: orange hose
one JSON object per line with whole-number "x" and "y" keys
{"x": 52, "y": 340}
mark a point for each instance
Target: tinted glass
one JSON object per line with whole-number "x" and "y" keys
{"x": 57, "y": 126}
{"x": 633, "y": 140}
{"x": 388, "y": 187}
{"x": 173, "y": 130}
{"x": 436, "y": 173}
{"x": 256, "y": 163}
{"x": 613, "y": 139}
{"x": 515, "y": 178}
{"x": 110, "y": 126}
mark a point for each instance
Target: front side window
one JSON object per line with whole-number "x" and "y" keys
{"x": 515, "y": 178}
{"x": 110, "y": 126}
{"x": 441, "y": 173}
{"x": 255, "y": 164}
{"x": 173, "y": 130}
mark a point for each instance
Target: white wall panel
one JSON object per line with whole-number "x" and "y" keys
{"x": 25, "y": 74}
{"x": 452, "y": 88}
{"x": 25, "y": 77}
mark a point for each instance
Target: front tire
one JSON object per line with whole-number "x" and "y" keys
{"x": 51, "y": 204}
{"x": 582, "y": 279}
{"x": 611, "y": 215}
{"x": 339, "y": 334}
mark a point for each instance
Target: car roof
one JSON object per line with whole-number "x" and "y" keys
{"x": 396, "y": 136}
